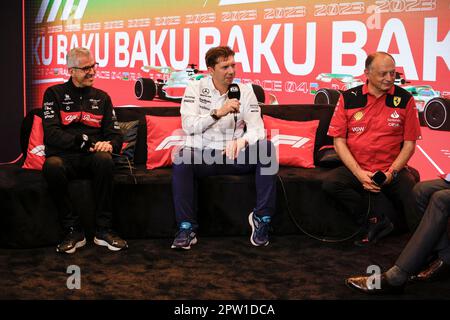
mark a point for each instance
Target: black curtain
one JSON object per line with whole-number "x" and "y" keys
{"x": 11, "y": 85}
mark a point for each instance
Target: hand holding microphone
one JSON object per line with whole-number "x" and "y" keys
{"x": 85, "y": 144}
{"x": 234, "y": 92}
{"x": 232, "y": 104}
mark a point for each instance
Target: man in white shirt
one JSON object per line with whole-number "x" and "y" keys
{"x": 225, "y": 135}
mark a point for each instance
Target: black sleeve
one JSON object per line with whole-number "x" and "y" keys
{"x": 54, "y": 135}
{"x": 110, "y": 127}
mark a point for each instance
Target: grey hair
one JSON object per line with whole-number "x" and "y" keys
{"x": 74, "y": 55}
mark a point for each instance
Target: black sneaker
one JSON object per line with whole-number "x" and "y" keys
{"x": 260, "y": 229}
{"x": 185, "y": 237}
{"x": 73, "y": 240}
{"x": 109, "y": 238}
{"x": 378, "y": 229}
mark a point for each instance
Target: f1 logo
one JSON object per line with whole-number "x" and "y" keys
{"x": 294, "y": 141}
{"x": 171, "y": 141}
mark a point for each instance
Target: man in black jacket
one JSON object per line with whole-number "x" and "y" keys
{"x": 80, "y": 133}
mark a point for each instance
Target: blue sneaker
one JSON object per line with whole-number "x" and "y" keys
{"x": 260, "y": 229}
{"x": 185, "y": 237}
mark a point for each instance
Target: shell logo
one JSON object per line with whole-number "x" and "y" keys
{"x": 358, "y": 115}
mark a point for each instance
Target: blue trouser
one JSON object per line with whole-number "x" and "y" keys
{"x": 198, "y": 164}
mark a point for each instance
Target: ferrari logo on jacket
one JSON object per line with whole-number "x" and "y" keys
{"x": 397, "y": 101}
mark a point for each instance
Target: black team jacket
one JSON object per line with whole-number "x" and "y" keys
{"x": 69, "y": 111}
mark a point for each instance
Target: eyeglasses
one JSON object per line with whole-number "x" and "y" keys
{"x": 87, "y": 68}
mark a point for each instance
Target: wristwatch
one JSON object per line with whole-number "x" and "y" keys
{"x": 214, "y": 115}
{"x": 394, "y": 174}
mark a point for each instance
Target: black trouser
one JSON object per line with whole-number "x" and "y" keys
{"x": 433, "y": 202}
{"x": 58, "y": 170}
{"x": 394, "y": 198}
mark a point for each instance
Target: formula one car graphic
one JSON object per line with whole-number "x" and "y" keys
{"x": 422, "y": 94}
{"x": 172, "y": 88}
{"x": 340, "y": 81}
{"x": 434, "y": 110}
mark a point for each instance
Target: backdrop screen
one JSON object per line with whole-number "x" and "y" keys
{"x": 291, "y": 48}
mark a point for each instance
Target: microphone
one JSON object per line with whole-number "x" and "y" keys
{"x": 234, "y": 92}
{"x": 85, "y": 143}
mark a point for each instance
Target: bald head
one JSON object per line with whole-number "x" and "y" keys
{"x": 377, "y": 56}
{"x": 380, "y": 73}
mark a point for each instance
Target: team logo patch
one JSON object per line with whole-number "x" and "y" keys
{"x": 358, "y": 115}
{"x": 397, "y": 101}
{"x": 205, "y": 91}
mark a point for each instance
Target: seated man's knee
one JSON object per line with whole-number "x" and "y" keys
{"x": 266, "y": 147}
{"x": 185, "y": 157}
{"x": 103, "y": 160}
{"x": 51, "y": 164}
{"x": 418, "y": 190}
{"x": 441, "y": 199}
{"x": 54, "y": 171}
{"x": 331, "y": 186}
{"x": 423, "y": 191}
{"x": 102, "y": 156}
{"x": 267, "y": 157}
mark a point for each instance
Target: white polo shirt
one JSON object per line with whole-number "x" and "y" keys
{"x": 203, "y": 131}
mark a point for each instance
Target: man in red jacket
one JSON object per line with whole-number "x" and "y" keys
{"x": 375, "y": 127}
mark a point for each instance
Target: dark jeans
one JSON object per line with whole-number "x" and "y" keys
{"x": 193, "y": 167}
{"x": 394, "y": 198}
{"x": 59, "y": 170}
{"x": 431, "y": 236}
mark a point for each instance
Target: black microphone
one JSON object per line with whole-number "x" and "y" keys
{"x": 86, "y": 143}
{"x": 234, "y": 92}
